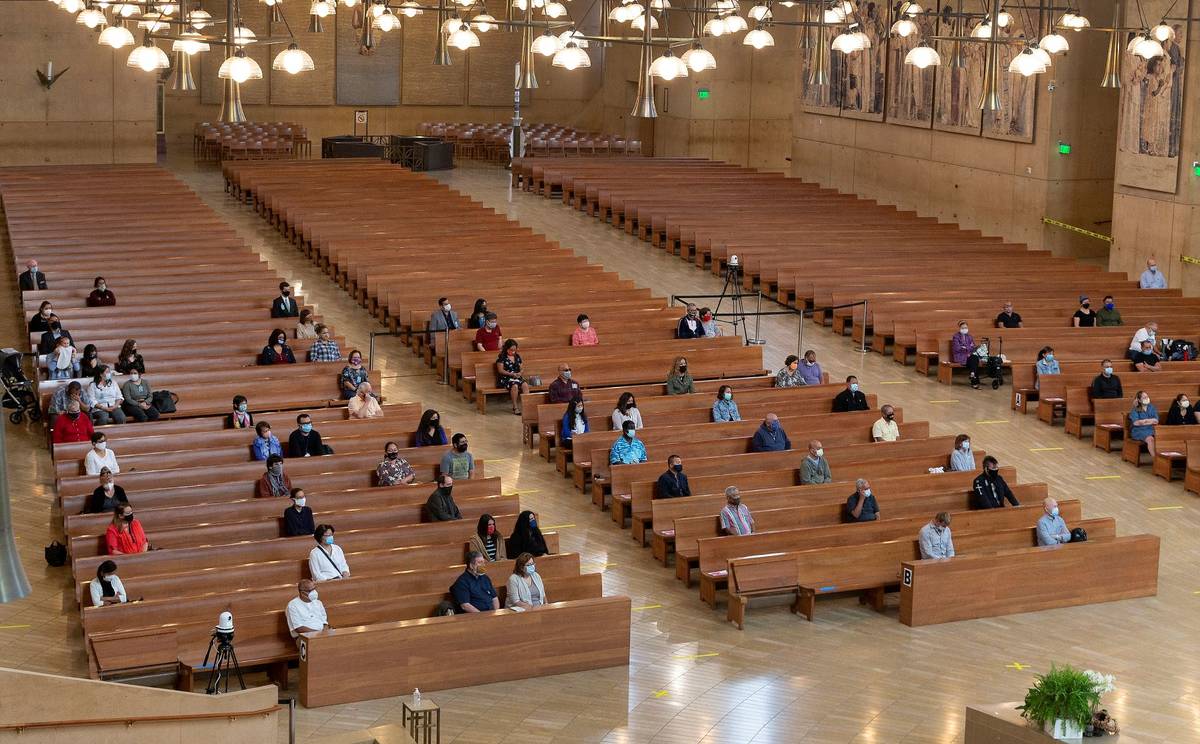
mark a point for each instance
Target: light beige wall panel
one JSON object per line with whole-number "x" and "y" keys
{"x": 872, "y": 136}
{"x": 701, "y": 136}
{"x": 134, "y": 142}
{"x": 811, "y": 161}
{"x": 490, "y": 69}
{"x": 770, "y": 97}
{"x": 841, "y": 168}
{"x": 771, "y": 145}
{"x": 56, "y": 143}
{"x": 135, "y": 99}
{"x": 730, "y": 99}
{"x": 1024, "y": 223}
{"x": 421, "y": 81}
{"x": 731, "y": 140}
{"x": 315, "y": 87}
{"x": 671, "y": 136}
{"x": 1143, "y": 228}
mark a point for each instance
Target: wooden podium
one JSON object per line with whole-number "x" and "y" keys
{"x": 1003, "y": 724}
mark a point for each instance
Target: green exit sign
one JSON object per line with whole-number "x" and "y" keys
{"x": 1064, "y": 148}
{"x": 1196, "y": 167}
{"x": 702, "y": 94}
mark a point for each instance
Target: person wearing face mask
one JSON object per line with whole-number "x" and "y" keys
{"x": 265, "y": 442}
{"x": 324, "y": 349}
{"x": 810, "y": 369}
{"x": 101, "y": 295}
{"x": 562, "y": 388}
{"x": 306, "y": 328}
{"x": 689, "y": 324}
{"x": 1181, "y": 413}
{"x": 1084, "y": 317}
{"x": 40, "y": 322}
{"x": 241, "y": 417}
{"x": 100, "y": 456}
{"x": 440, "y": 506}
{"x": 1109, "y": 315}
{"x": 394, "y": 470}
{"x": 89, "y": 361}
{"x": 72, "y": 426}
{"x": 442, "y": 319}
{"x": 298, "y": 518}
{"x": 708, "y": 325}
{"x": 509, "y": 374}
{"x": 584, "y": 334}
{"x": 108, "y": 399}
{"x": 574, "y": 421}
{"x": 353, "y": 374}
{"x": 770, "y": 436}
{"x": 429, "y": 430}
{"x": 526, "y": 536}
{"x": 679, "y": 382}
{"x": 107, "y": 496}
{"x": 1148, "y": 332}
{"x": 478, "y": 314}
{"x": 1051, "y": 528}
{"x": 1142, "y": 420}
{"x": 525, "y": 587}
{"x": 327, "y": 562}
{"x": 125, "y": 535}
{"x": 628, "y": 449}
{"x": 305, "y": 613}
{"x": 284, "y": 306}
{"x": 487, "y": 541}
{"x": 458, "y": 462}
{"x": 626, "y": 410}
{"x": 735, "y": 517}
{"x": 364, "y": 404}
{"x": 305, "y": 441}
{"x": 861, "y": 506}
{"x": 274, "y": 483}
{"x": 789, "y": 375}
{"x": 724, "y": 409}
{"x": 277, "y": 350}
{"x": 673, "y": 483}
{"x": 1146, "y": 360}
{"x": 885, "y": 428}
{"x": 63, "y": 362}
{"x": 1106, "y": 384}
{"x": 473, "y": 590}
{"x": 72, "y": 391}
{"x": 1152, "y": 278}
{"x": 49, "y": 340}
{"x": 138, "y": 401}
{"x": 935, "y": 539}
{"x": 962, "y": 459}
{"x": 31, "y": 278}
{"x": 990, "y": 491}
{"x": 850, "y": 399}
{"x": 962, "y": 351}
{"x": 814, "y": 468}
{"x": 1046, "y": 365}
{"x": 1008, "y": 318}
{"x": 107, "y": 589}
{"x": 489, "y": 336}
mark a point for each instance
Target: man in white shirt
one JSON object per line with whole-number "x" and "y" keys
{"x": 886, "y": 429}
{"x": 1152, "y": 278}
{"x": 305, "y": 613}
{"x": 1147, "y": 332}
{"x": 326, "y": 561}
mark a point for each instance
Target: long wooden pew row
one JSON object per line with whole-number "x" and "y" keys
{"x": 1111, "y": 415}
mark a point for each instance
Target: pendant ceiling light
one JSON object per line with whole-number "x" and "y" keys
{"x": 699, "y": 59}
{"x": 484, "y": 22}
{"x": 464, "y": 38}
{"x": 116, "y": 36}
{"x": 735, "y": 23}
{"x": 239, "y": 68}
{"x": 1054, "y": 43}
{"x": 190, "y": 42}
{"x": 922, "y": 56}
{"x": 1147, "y": 47}
{"x": 639, "y": 23}
{"x": 199, "y": 19}
{"x": 1162, "y": 32}
{"x": 759, "y": 38}
{"x": 410, "y": 9}
{"x": 903, "y": 28}
{"x": 243, "y": 36}
{"x": 571, "y": 57}
{"x": 546, "y": 44}
{"x": 90, "y": 17}
{"x": 386, "y": 21}
{"x": 759, "y": 13}
{"x": 572, "y": 35}
{"x": 148, "y": 57}
{"x": 668, "y": 67}
{"x": 1074, "y": 21}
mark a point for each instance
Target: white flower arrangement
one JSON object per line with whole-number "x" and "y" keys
{"x": 1103, "y": 682}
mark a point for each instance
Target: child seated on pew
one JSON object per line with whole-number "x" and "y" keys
{"x": 63, "y": 361}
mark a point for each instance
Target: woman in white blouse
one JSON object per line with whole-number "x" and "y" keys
{"x": 107, "y": 588}
{"x": 525, "y": 588}
{"x": 626, "y": 410}
{"x": 100, "y": 456}
{"x": 326, "y": 561}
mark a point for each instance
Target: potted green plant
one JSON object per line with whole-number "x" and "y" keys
{"x": 1063, "y": 700}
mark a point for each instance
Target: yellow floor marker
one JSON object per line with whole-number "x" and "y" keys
{"x": 895, "y": 382}
{"x": 1045, "y": 449}
{"x": 647, "y": 607}
{"x": 993, "y": 421}
{"x": 697, "y": 656}
{"x": 661, "y": 693}
{"x": 944, "y": 401}
{"x": 1018, "y": 666}
{"x": 1162, "y": 508}
{"x": 13, "y": 627}
{"x": 557, "y": 526}
{"x": 1102, "y": 477}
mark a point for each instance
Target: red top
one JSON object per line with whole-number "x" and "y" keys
{"x": 132, "y": 540}
{"x": 66, "y": 430}
{"x": 489, "y": 339}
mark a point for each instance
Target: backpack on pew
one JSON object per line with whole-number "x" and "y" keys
{"x": 1078, "y": 534}
{"x": 164, "y": 401}
{"x": 56, "y": 554}
{"x": 1179, "y": 350}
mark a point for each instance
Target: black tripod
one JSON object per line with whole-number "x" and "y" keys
{"x": 224, "y": 662}
{"x": 737, "y": 302}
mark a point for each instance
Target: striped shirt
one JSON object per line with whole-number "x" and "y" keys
{"x": 736, "y": 520}
{"x": 324, "y": 351}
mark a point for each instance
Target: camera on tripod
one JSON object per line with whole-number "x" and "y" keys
{"x": 225, "y": 661}
{"x": 223, "y": 631}
{"x": 733, "y": 267}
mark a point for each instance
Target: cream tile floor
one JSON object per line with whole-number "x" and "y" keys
{"x": 850, "y": 676}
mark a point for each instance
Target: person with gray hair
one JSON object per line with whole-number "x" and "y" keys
{"x": 473, "y": 590}
{"x": 935, "y": 539}
{"x": 815, "y": 468}
{"x": 736, "y": 518}
{"x": 861, "y": 506}
{"x": 1052, "y": 528}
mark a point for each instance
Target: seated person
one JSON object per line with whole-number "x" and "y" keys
{"x": 814, "y": 468}
{"x": 327, "y": 562}
{"x": 364, "y": 404}
{"x": 89, "y": 361}
{"x": 306, "y": 328}
{"x": 1106, "y": 384}
{"x": 1084, "y": 317}
{"x": 305, "y": 441}
{"x": 1152, "y": 278}
{"x": 885, "y": 428}
{"x": 107, "y": 398}
{"x": 962, "y": 459}
{"x": 574, "y": 421}
{"x": 305, "y": 613}
{"x": 1146, "y": 360}
{"x": 724, "y": 409}
{"x": 40, "y": 323}
{"x": 241, "y": 418}
{"x": 101, "y": 295}
{"x": 584, "y": 334}
{"x": 31, "y": 278}
{"x": 49, "y": 340}
{"x": 1007, "y": 318}
{"x": 129, "y": 359}
{"x": 106, "y": 588}
{"x": 626, "y": 410}
{"x": 274, "y": 483}
{"x": 298, "y": 518}
{"x": 708, "y": 325}
{"x": 1046, "y": 365}
{"x": 679, "y": 381}
{"x": 473, "y": 590}
{"x": 1109, "y": 315}
{"x": 810, "y": 369}
{"x": 962, "y": 351}
{"x": 284, "y": 306}
{"x": 487, "y": 541}
{"x": 459, "y": 463}
{"x": 935, "y": 539}
{"x": 440, "y": 506}
{"x": 125, "y": 535}
{"x": 489, "y": 336}
{"x": 989, "y": 491}
{"x": 770, "y": 436}
{"x": 1148, "y": 332}
{"x": 107, "y": 496}
{"x": 1051, "y": 528}
{"x": 1142, "y": 420}
{"x": 563, "y": 388}
{"x": 736, "y": 518}
{"x": 673, "y": 483}
{"x": 265, "y": 443}
{"x": 100, "y": 456}
{"x": 72, "y": 426}
{"x": 628, "y": 449}
{"x": 861, "y": 506}
{"x": 689, "y": 324}
{"x": 277, "y": 350}
{"x": 394, "y": 470}
{"x": 1181, "y": 412}
{"x": 63, "y": 361}
{"x": 850, "y": 399}
{"x": 442, "y": 319}
{"x": 525, "y": 587}
{"x": 526, "y": 537}
{"x": 789, "y": 375}
{"x": 509, "y": 375}
{"x": 353, "y": 375}
{"x": 478, "y": 315}
{"x": 324, "y": 349}
{"x": 138, "y": 398}
{"x": 72, "y": 391}
{"x": 429, "y": 430}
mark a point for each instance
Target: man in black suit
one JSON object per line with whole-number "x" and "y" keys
{"x": 31, "y": 279}
{"x": 284, "y": 306}
{"x": 50, "y": 338}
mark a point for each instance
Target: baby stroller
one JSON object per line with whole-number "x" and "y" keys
{"x": 991, "y": 362}
{"x": 17, "y": 389}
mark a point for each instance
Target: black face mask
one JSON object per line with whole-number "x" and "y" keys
{"x": 677, "y": 468}
{"x": 889, "y": 416}
{"x": 991, "y": 473}
{"x": 287, "y": 292}
{"x": 682, "y": 369}
{"x": 445, "y": 490}
{"x": 73, "y": 416}
{"x": 127, "y": 517}
{"x": 392, "y": 455}
{"x": 461, "y": 447}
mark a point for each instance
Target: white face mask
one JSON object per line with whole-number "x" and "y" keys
{"x": 446, "y": 307}
{"x": 101, "y": 446}
{"x": 966, "y": 446}
{"x": 1184, "y": 404}
{"x": 312, "y": 596}
{"x": 585, "y": 324}
{"x": 963, "y": 330}
{"x": 867, "y": 492}
{"x": 108, "y": 487}
{"x": 300, "y": 502}
{"x": 820, "y": 452}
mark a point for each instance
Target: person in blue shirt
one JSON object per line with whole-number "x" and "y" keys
{"x": 673, "y": 483}
{"x": 473, "y": 590}
{"x": 1142, "y": 420}
{"x": 1046, "y": 365}
{"x": 725, "y": 409}
{"x": 628, "y": 449}
{"x": 1051, "y": 528}
{"x": 1152, "y": 278}
{"x": 265, "y": 443}
{"x": 770, "y": 436}
{"x": 574, "y": 421}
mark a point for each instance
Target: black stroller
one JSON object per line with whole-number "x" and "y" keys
{"x": 991, "y": 362}
{"x": 18, "y": 391}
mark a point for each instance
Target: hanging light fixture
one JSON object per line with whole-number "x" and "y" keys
{"x": 668, "y": 67}
{"x": 553, "y": 10}
{"x": 90, "y": 17}
{"x": 410, "y": 9}
{"x": 148, "y": 57}
{"x": 759, "y": 38}
{"x": 168, "y": 9}
{"x": 243, "y": 36}
{"x": 903, "y": 28}
{"x": 851, "y": 41}
{"x": 317, "y": 13}
{"x": 660, "y": 4}
{"x": 572, "y": 35}
{"x": 463, "y": 38}
{"x": 126, "y": 10}
{"x": 760, "y": 13}
{"x": 982, "y": 30}
{"x": 1074, "y": 21}
{"x": 239, "y": 68}
{"x": 1027, "y": 63}
{"x": 116, "y": 35}
{"x": 198, "y": 19}
{"x": 72, "y": 6}
{"x": 1147, "y": 47}
{"x": 386, "y": 21}
{"x": 735, "y": 23}
{"x": 348, "y": 4}
{"x": 546, "y": 44}
{"x": 1054, "y": 43}
{"x": 1163, "y": 32}
{"x": 571, "y": 57}
{"x": 153, "y": 22}
{"x": 451, "y": 24}
{"x": 922, "y": 56}
{"x": 699, "y": 59}
{"x": 1003, "y": 19}
{"x": 1112, "y": 63}
{"x": 190, "y": 42}
{"x": 484, "y": 22}
{"x": 639, "y": 23}
{"x": 716, "y": 27}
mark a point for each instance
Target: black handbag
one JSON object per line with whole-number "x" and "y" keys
{"x": 1078, "y": 534}
{"x": 56, "y": 554}
{"x": 164, "y": 401}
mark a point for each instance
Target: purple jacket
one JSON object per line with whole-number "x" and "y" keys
{"x": 961, "y": 347}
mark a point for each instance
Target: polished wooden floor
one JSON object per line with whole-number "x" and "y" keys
{"x": 851, "y": 676}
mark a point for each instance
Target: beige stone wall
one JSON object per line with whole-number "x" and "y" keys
{"x": 100, "y": 111}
